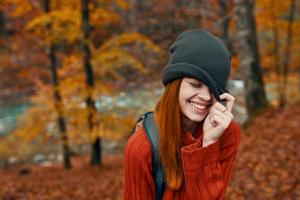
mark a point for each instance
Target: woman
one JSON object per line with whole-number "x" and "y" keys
{"x": 198, "y": 140}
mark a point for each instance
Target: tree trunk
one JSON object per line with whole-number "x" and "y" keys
{"x": 2, "y": 24}
{"x": 276, "y": 55}
{"x": 249, "y": 56}
{"x": 298, "y": 71}
{"x": 283, "y": 93}
{"x": 223, "y": 27}
{"x": 132, "y": 16}
{"x": 96, "y": 145}
{"x": 56, "y": 95}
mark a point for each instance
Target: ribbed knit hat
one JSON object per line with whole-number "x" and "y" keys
{"x": 200, "y": 55}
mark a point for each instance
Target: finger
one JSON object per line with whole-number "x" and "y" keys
{"x": 226, "y": 116}
{"x": 219, "y": 106}
{"x": 212, "y": 121}
{"x": 229, "y": 114}
{"x": 212, "y": 108}
{"x": 229, "y": 99}
{"x": 220, "y": 121}
{"x": 217, "y": 119}
{"x": 218, "y": 112}
{"x": 222, "y": 113}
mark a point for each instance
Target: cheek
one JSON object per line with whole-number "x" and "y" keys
{"x": 184, "y": 96}
{"x": 185, "y": 107}
{"x": 181, "y": 102}
{"x": 181, "y": 95}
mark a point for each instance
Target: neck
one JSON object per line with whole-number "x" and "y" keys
{"x": 189, "y": 125}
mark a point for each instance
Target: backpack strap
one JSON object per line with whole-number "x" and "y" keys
{"x": 157, "y": 171}
{"x": 142, "y": 117}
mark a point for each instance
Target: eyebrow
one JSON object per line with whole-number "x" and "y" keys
{"x": 194, "y": 81}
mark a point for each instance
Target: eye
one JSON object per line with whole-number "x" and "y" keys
{"x": 196, "y": 85}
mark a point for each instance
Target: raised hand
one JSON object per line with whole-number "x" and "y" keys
{"x": 218, "y": 119}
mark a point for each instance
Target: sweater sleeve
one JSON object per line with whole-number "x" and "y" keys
{"x": 207, "y": 169}
{"x": 138, "y": 181}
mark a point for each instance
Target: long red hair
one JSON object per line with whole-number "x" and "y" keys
{"x": 168, "y": 118}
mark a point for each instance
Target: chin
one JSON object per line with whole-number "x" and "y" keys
{"x": 196, "y": 118}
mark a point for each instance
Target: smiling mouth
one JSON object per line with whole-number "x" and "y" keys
{"x": 198, "y": 106}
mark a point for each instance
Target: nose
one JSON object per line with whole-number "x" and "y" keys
{"x": 204, "y": 95}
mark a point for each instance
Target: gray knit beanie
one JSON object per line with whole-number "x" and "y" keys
{"x": 200, "y": 55}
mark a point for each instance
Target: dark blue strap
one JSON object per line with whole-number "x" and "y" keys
{"x": 143, "y": 116}
{"x": 157, "y": 171}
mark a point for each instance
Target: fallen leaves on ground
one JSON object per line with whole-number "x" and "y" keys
{"x": 267, "y": 167}
{"x": 82, "y": 182}
{"x": 268, "y": 162}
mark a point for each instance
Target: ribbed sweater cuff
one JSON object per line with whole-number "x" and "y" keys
{"x": 194, "y": 156}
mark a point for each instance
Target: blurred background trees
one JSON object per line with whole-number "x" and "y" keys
{"x": 77, "y": 73}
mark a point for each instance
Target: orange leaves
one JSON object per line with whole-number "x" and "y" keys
{"x": 72, "y": 78}
{"x": 267, "y": 165}
{"x": 235, "y": 62}
{"x": 64, "y": 26}
{"x": 131, "y": 38}
{"x": 113, "y": 126}
{"x": 269, "y": 10}
{"x": 101, "y": 17}
{"x": 107, "y": 64}
{"x": 129, "y": 54}
{"x": 113, "y": 56}
{"x": 21, "y": 7}
{"x": 5, "y": 148}
{"x": 268, "y": 62}
{"x": 65, "y": 21}
{"x": 71, "y": 66}
{"x": 272, "y": 21}
{"x": 115, "y": 59}
{"x": 82, "y": 182}
{"x": 122, "y": 4}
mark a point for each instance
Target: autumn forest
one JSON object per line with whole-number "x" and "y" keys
{"x": 76, "y": 74}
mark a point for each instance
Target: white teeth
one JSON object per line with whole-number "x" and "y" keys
{"x": 198, "y": 106}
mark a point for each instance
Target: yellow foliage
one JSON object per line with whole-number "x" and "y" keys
{"x": 110, "y": 57}
{"x": 24, "y": 149}
{"x": 107, "y": 63}
{"x": 72, "y": 80}
{"x": 21, "y": 7}
{"x": 34, "y": 124}
{"x": 235, "y": 62}
{"x": 40, "y": 121}
{"x": 270, "y": 15}
{"x": 269, "y": 10}
{"x": 270, "y": 77}
{"x": 268, "y": 62}
{"x": 292, "y": 92}
{"x": 65, "y": 21}
{"x": 112, "y": 126}
{"x": 65, "y": 26}
{"x": 70, "y": 4}
{"x": 100, "y": 17}
{"x": 128, "y": 39}
{"x": 122, "y": 4}
{"x": 76, "y": 115}
{"x": 5, "y": 148}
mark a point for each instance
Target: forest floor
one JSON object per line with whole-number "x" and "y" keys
{"x": 267, "y": 167}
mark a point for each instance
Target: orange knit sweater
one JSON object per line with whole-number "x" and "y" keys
{"x": 206, "y": 169}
